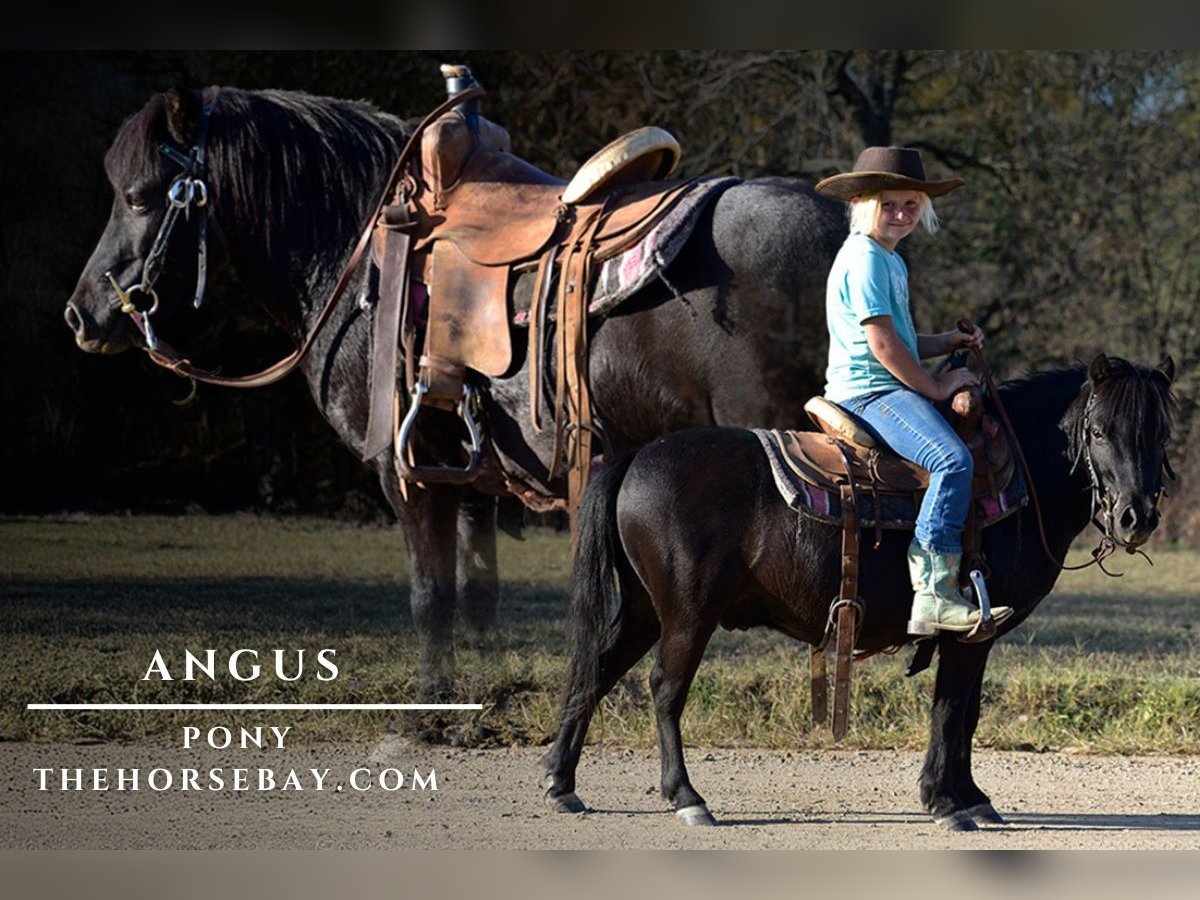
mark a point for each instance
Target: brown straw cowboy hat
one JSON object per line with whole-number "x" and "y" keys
{"x": 885, "y": 169}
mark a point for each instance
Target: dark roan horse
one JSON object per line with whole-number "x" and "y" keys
{"x": 699, "y": 537}
{"x": 291, "y": 181}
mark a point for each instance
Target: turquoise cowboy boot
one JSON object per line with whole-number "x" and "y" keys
{"x": 938, "y": 604}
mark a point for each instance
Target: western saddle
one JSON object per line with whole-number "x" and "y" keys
{"x": 465, "y": 217}
{"x": 845, "y": 459}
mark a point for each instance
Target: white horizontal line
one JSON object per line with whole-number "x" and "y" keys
{"x": 259, "y": 706}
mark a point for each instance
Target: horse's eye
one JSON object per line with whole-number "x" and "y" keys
{"x": 1098, "y": 434}
{"x": 135, "y": 202}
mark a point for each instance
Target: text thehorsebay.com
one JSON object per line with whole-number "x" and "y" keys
{"x": 244, "y": 665}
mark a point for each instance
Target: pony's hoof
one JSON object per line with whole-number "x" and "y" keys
{"x": 566, "y": 803}
{"x": 985, "y": 814}
{"x": 957, "y": 822}
{"x": 695, "y": 815}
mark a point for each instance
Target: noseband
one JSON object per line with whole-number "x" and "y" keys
{"x": 189, "y": 189}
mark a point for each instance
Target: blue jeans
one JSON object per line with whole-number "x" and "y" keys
{"x": 909, "y": 424}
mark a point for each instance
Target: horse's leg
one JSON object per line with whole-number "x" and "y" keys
{"x": 428, "y": 520}
{"x": 478, "y": 585}
{"x": 637, "y": 630}
{"x": 956, "y": 693}
{"x": 679, "y": 656}
{"x": 977, "y": 803}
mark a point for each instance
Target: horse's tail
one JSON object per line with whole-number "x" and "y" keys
{"x": 595, "y": 604}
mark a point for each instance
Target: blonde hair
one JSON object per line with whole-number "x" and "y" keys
{"x": 864, "y": 212}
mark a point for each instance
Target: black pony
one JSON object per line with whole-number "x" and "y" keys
{"x": 698, "y": 536}
{"x": 291, "y": 180}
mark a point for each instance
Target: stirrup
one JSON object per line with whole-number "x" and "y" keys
{"x": 986, "y": 629}
{"x": 439, "y": 474}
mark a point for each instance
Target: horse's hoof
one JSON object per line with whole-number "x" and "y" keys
{"x": 985, "y": 814}
{"x": 957, "y": 822}
{"x": 566, "y": 803}
{"x": 695, "y": 815}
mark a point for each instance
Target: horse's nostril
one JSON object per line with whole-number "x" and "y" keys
{"x": 74, "y": 320}
{"x": 1129, "y": 518}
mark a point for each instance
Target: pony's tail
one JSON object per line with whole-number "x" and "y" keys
{"x": 595, "y": 604}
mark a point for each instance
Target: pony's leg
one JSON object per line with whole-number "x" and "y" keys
{"x": 637, "y": 630}
{"x": 959, "y": 679}
{"x": 478, "y": 585}
{"x": 679, "y": 656}
{"x": 978, "y": 804}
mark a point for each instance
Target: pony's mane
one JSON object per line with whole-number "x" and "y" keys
{"x": 1134, "y": 394}
{"x": 1138, "y": 395}
{"x": 321, "y": 159}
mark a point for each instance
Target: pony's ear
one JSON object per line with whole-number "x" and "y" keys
{"x": 1167, "y": 367}
{"x": 183, "y": 114}
{"x": 1098, "y": 369}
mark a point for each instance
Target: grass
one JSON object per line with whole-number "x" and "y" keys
{"x": 1105, "y": 665}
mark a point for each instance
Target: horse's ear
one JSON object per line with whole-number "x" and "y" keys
{"x": 183, "y": 114}
{"x": 1098, "y": 369}
{"x": 1167, "y": 367}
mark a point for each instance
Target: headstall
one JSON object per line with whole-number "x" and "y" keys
{"x": 187, "y": 190}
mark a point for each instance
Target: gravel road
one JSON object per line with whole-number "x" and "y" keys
{"x": 491, "y": 799}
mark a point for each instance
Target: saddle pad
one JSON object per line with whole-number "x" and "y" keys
{"x": 625, "y": 274}
{"x": 895, "y": 511}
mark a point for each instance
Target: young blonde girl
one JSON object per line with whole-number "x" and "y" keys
{"x": 875, "y": 372}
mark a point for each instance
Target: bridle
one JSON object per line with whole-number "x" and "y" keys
{"x": 189, "y": 189}
{"x": 1103, "y": 511}
{"x": 1103, "y": 503}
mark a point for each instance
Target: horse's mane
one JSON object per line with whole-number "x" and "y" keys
{"x": 1133, "y": 394}
{"x": 319, "y": 158}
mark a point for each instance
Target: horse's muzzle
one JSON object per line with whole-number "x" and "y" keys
{"x": 88, "y": 333}
{"x": 1133, "y": 525}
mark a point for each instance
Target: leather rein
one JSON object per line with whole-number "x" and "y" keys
{"x": 190, "y": 189}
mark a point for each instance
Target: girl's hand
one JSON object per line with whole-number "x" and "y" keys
{"x": 951, "y": 381}
{"x": 958, "y": 338}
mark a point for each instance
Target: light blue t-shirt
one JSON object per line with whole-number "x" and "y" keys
{"x": 865, "y": 281}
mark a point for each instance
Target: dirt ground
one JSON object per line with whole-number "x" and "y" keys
{"x": 492, "y": 799}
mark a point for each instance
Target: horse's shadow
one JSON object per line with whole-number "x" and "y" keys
{"x": 1033, "y": 821}
{"x": 1102, "y": 822}
{"x": 1016, "y": 821}
{"x": 1036, "y": 821}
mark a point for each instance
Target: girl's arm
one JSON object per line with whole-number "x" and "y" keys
{"x": 887, "y": 347}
